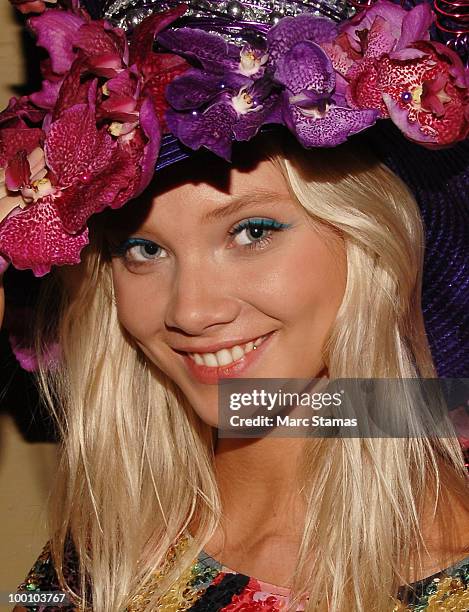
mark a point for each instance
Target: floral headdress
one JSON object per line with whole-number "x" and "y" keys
{"x": 90, "y": 138}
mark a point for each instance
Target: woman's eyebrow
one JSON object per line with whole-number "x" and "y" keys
{"x": 255, "y": 198}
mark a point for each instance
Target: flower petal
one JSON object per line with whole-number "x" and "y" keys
{"x": 380, "y": 39}
{"x": 292, "y": 30}
{"x": 195, "y": 88}
{"x": 27, "y": 357}
{"x": 389, "y": 13}
{"x": 55, "y": 30}
{"x": 17, "y": 172}
{"x": 75, "y": 147}
{"x": 99, "y": 46}
{"x": 78, "y": 203}
{"x": 19, "y": 109}
{"x": 400, "y": 117}
{"x": 211, "y": 129}
{"x": 19, "y": 323}
{"x": 35, "y": 239}
{"x": 305, "y": 67}
{"x": 332, "y": 129}
{"x": 13, "y": 140}
{"x": 151, "y": 128}
{"x": 415, "y": 26}
{"x": 73, "y": 90}
{"x": 211, "y": 50}
{"x": 47, "y": 97}
{"x": 249, "y": 124}
{"x": 144, "y": 34}
{"x": 158, "y": 74}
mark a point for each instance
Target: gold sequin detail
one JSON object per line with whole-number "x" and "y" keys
{"x": 181, "y": 596}
{"x": 451, "y": 595}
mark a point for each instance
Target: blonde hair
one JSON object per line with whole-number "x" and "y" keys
{"x": 136, "y": 462}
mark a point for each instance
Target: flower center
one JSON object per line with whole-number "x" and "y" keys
{"x": 38, "y": 189}
{"x": 417, "y": 95}
{"x": 316, "y": 112}
{"x": 244, "y": 102}
{"x": 250, "y": 61}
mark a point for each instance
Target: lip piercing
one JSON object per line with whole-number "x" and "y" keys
{"x": 254, "y": 347}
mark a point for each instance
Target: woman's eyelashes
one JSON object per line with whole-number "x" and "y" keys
{"x": 139, "y": 250}
{"x": 252, "y": 233}
{"x": 256, "y": 232}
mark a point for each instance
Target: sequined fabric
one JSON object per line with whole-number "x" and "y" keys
{"x": 209, "y": 586}
{"x": 43, "y": 577}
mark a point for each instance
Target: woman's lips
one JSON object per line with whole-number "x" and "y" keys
{"x": 211, "y": 375}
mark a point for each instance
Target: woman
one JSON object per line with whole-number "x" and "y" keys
{"x": 179, "y": 288}
{"x": 315, "y": 259}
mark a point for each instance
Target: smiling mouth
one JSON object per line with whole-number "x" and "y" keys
{"x": 226, "y": 356}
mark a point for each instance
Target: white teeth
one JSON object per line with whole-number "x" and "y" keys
{"x": 210, "y": 360}
{"x": 197, "y": 358}
{"x": 237, "y": 352}
{"x": 225, "y": 356}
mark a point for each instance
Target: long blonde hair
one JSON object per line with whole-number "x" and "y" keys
{"x": 136, "y": 462}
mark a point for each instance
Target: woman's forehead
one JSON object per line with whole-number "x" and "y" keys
{"x": 200, "y": 192}
{"x": 219, "y": 184}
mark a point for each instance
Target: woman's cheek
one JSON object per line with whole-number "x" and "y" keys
{"x": 138, "y": 308}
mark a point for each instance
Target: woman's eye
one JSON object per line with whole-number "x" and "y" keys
{"x": 256, "y": 232}
{"x": 139, "y": 250}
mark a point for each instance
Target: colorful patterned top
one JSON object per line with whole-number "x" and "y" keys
{"x": 209, "y": 586}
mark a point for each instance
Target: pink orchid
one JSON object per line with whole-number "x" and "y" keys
{"x": 382, "y": 29}
{"x": 388, "y": 63}
{"x": 427, "y": 97}
{"x": 21, "y": 338}
{"x": 81, "y": 171}
{"x": 99, "y": 140}
{"x": 157, "y": 69}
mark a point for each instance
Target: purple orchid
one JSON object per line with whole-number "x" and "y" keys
{"x": 229, "y": 98}
{"x": 220, "y": 113}
{"x": 314, "y": 106}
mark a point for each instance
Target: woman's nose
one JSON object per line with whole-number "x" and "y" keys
{"x": 200, "y": 300}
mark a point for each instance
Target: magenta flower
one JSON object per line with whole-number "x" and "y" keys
{"x": 47, "y": 226}
{"x": 21, "y": 338}
{"x": 427, "y": 97}
{"x": 96, "y": 142}
{"x": 389, "y": 63}
{"x": 384, "y": 28}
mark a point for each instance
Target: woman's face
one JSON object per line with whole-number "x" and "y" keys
{"x": 219, "y": 265}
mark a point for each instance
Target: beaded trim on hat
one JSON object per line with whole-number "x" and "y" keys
{"x": 255, "y": 13}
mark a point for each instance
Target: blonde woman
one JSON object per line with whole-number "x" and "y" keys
{"x": 284, "y": 263}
